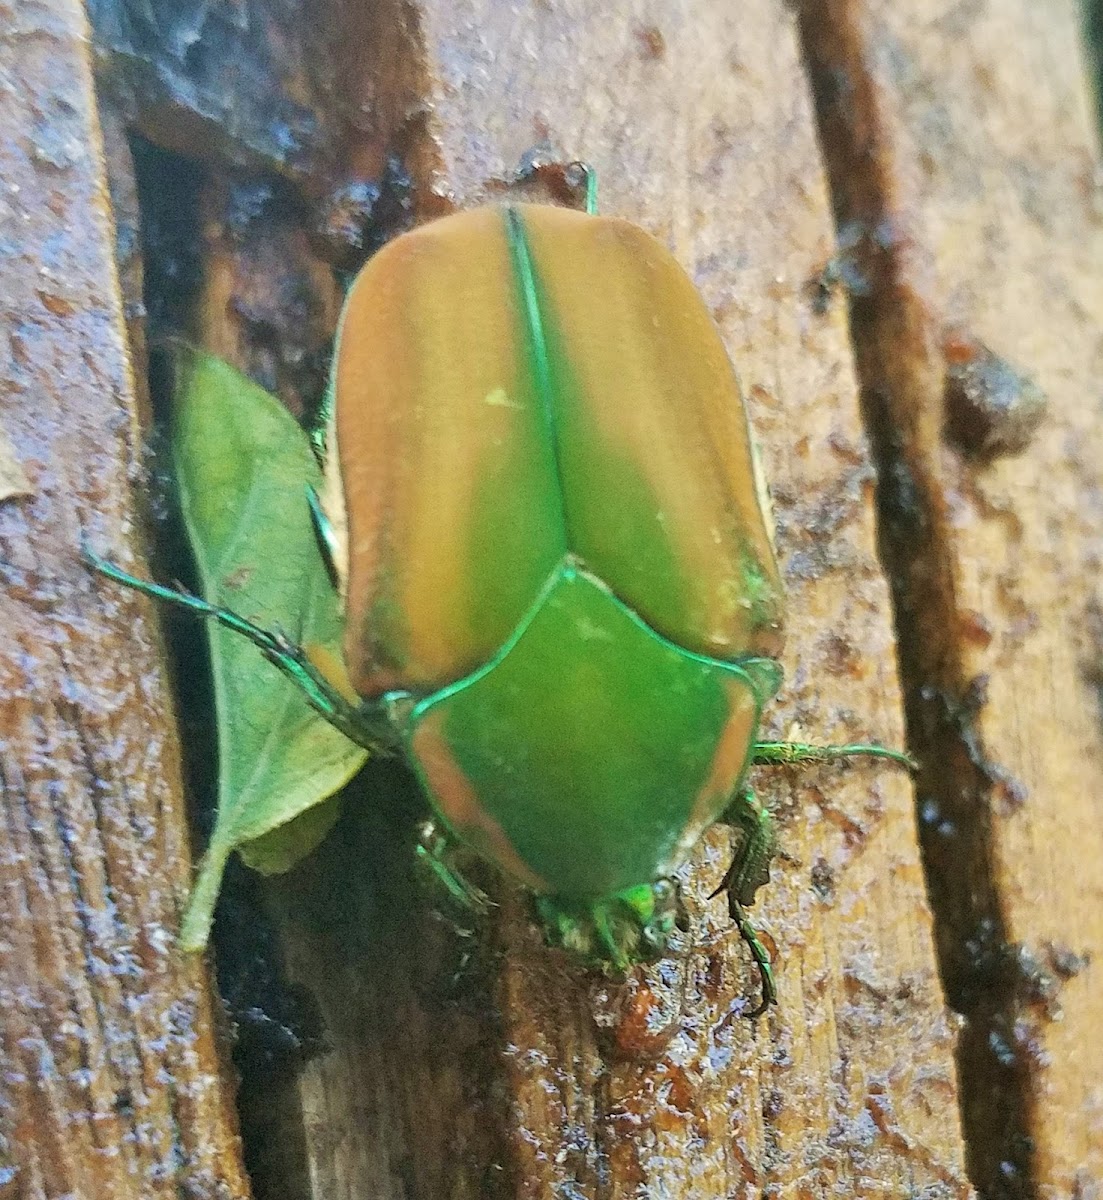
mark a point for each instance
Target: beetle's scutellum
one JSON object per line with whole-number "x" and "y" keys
{"x": 562, "y": 603}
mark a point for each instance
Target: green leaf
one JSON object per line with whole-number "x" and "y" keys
{"x": 242, "y": 467}
{"x": 278, "y": 851}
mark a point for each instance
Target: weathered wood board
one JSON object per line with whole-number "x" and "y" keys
{"x": 956, "y": 145}
{"x": 112, "y": 1085}
{"x": 538, "y": 1080}
{"x": 964, "y": 135}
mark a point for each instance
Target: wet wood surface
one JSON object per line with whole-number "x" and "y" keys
{"x": 112, "y": 1085}
{"x": 515, "y": 1073}
{"x": 862, "y": 192}
{"x": 966, "y": 139}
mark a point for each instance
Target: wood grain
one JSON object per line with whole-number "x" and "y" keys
{"x": 964, "y": 164}
{"x": 111, "y": 1082}
{"x": 515, "y": 1073}
{"x": 468, "y": 1062}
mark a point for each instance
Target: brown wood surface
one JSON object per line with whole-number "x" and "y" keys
{"x": 112, "y": 1086}
{"x": 965, "y": 135}
{"x": 526, "y": 1076}
{"x": 955, "y": 142}
{"x": 699, "y": 124}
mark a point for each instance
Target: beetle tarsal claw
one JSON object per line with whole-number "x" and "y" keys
{"x": 758, "y": 951}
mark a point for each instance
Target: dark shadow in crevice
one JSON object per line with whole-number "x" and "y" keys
{"x": 271, "y": 1027}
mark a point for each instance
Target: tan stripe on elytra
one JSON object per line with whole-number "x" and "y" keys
{"x": 418, "y": 370}
{"x": 644, "y": 351}
{"x": 730, "y": 758}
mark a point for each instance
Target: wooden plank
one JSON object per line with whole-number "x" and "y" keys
{"x": 111, "y": 1081}
{"x": 529, "y": 1077}
{"x": 964, "y": 134}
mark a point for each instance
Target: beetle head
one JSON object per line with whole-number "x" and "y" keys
{"x": 630, "y": 927}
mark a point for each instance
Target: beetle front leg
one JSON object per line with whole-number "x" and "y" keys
{"x": 750, "y": 870}
{"x": 366, "y": 726}
{"x": 773, "y": 754}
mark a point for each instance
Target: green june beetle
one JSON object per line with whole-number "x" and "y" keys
{"x": 561, "y": 600}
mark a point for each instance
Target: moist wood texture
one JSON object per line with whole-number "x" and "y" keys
{"x": 960, "y": 140}
{"x": 467, "y": 1062}
{"x": 111, "y": 1082}
{"x": 513, "y": 1073}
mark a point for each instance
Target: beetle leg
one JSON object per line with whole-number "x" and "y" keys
{"x": 319, "y": 427}
{"x": 438, "y": 851}
{"x": 749, "y": 870}
{"x": 359, "y": 723}
{"x": 784, "y": 753}
{"x": 604, "y": 929}
{"x": 327, "y": 537}
{"x": 758, "y": 951}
